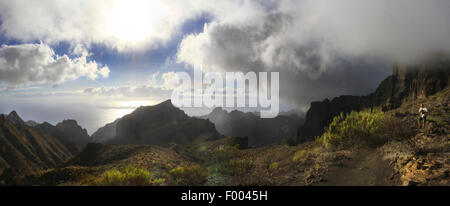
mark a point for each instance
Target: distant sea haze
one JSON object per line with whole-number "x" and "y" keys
{"x": 88, "y": 116}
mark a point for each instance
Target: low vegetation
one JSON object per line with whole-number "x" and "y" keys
{"x": 225, "y": 153}
{"x": 127, "y": 176}
{"x": 354, "y": 128}
{"x": 228, "y": 161}
{"x": 301, "y": 154}
{"x": 188, "y": 175}
{"x": 57, "y": 176}
{"x": 274, "y": 166}
{"x": 367, "y": 127}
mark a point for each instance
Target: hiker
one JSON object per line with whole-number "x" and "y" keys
{"x": 422, "y": 116}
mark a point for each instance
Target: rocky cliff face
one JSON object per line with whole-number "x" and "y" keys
{"x": 407, "y": 82}
{"x": 162, "y": 124}
{"x": 260, "y": 132}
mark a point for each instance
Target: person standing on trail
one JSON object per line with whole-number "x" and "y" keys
{"x": 422, "y": 116}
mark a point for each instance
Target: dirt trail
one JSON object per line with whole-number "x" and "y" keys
{"x": 362, "y": 169}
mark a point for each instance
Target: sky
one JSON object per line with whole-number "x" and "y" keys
{"x": 95, "y": 61}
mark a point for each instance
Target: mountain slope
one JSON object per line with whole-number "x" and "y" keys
{"x": 24, "y": 149}
{"x": 51, "y": 130}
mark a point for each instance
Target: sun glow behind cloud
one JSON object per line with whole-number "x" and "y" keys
{"x": 133, "y": 22}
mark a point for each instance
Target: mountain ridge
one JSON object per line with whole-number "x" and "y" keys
{"x": 162, "y": 124}
{"x": 260, "y": 131}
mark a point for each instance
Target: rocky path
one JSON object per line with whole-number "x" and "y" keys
{"x": 361, "y": 169}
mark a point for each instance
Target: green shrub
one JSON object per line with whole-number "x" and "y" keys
{"x": 189, "y": 175}
{"x": 273, "y": 166}
{"x": 363, "y": 127}
{"x": 127, "y": 176}
{"x": 301, "y": 154}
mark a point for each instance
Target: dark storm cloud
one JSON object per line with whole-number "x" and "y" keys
{"x": 322, "y": 48}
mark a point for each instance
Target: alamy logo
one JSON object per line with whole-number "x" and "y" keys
{"x": 229, "y": 89}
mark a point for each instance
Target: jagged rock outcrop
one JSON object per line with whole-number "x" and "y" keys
{"x": 407, "y": 82}
{"x": 162, "y": 124}
{"x": 24, "y": 149}
{"x": 260, "y": 131}
{"x": 105, "y": 133}
{"x": 14, "y": 117}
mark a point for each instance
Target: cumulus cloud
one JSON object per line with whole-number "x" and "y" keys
{"x": 276, "y": 29}
{"x": 120, "y": 24}
{"x": 28, "y": 64}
